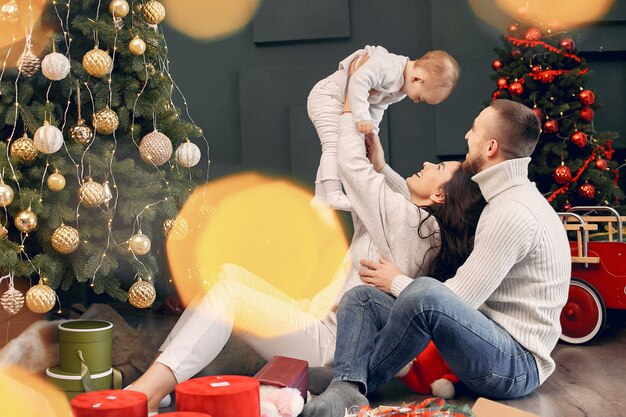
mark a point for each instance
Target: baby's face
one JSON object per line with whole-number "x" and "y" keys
{"x": 424, "y": 90}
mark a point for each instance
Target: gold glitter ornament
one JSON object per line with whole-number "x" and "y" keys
{"x": 40, "y": 298}
{"x": 97, "y": 62}
{"x": 155, "y": 148}
{"x": 28, "y": 63}
{"x": 65, "y": 239}
{"x": 177, "y": 228}
{"x": 137, "y": 46}
{"x": 56, "y": 181}
{"x": 91, "y": 194}
{"x": 81, "y": 133}
{"x": 141, "y": 294}
{"x": 12, "y": 300}
{"x": 6, "y": 194}
{"x": 24, "y": 149}
{"x": 26, "y": 221}
{"x": 119, "y": 8}
{"x": 139, "y": 244}
{"x": 153, "y": 12}
{"x": 106, "y": 121}
{"x": 55, "y": 66}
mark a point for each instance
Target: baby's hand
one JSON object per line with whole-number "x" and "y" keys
{"x": 364, "y": 127}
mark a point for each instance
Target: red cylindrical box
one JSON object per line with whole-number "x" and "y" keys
{"x": 184, "y": 414}
{"x": 220, "y": 396}
{"x": 110, "y": 403}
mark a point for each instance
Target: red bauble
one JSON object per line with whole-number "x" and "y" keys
{"x": 586, "y": 113}
{"x": 547, "y": 77}
{"x": 562, "y": 174}
{"x": 536, "y": 69}
{"x": 495, "y": 95}
{"x": 532, "y": 34}
{"x": 568, "y": 44}
{"x": 496, "y": 65}
{"x": 551, "y": 126}
{"x": 567, "y": 206}
{"x": 515, "y": 53}
{"x": 601, "y": 164}
{"x": 516, "y": 89}
{"x": 579, "y": 139}
{"x": 539, "y": 113}
{"x": 513, "y": 29}
{"x": 587, "y": 97}
{"x": 587, "y": 191}
{"x": 502, "y": 83}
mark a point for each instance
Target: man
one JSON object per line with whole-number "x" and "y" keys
{"x": 497, "y": 320}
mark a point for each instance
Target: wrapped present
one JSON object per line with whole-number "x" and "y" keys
{"x": 184, "y": 414}
{"x": 110, "y": 403}
{"x": 430, "y": 407}
{"x": 285, "y": 372}
{"x": 221, "y": 396}
{"x": 73, "y": 383}
{"x": 91, "y": 339}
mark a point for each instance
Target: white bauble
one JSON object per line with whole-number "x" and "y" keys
{"x": 55, "y": 66}
{"x": 188, "y": 154}
{"x": 48, "y": 139}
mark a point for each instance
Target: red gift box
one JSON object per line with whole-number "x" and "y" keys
{"x": 184, "y": 414}
{"x": 220, "y": 396}
{"x": 283, "y": 372}
{"x": 110, "y": 403}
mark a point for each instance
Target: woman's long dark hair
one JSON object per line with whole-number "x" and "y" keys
{"x": 457, "y": 217}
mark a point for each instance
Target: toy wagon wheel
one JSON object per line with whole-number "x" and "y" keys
{"x": 584, "y": 314}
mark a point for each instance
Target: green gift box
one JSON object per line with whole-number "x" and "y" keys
{"x": 72, "y": 383}
{"x": 92, "y": 339}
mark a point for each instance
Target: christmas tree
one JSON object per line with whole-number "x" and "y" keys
{"x": 90, "y": 184}
{"x": 572, "y": 162}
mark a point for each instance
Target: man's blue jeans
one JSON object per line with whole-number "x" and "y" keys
{"x": 378, "y": 335}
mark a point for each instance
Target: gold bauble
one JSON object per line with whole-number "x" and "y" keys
{"x": 97, "y": 62}
{"x": 81, "y": 133}
{"x": 24, "y": 149}
{"x": 155, "y": 148}
{"x": 28, "y": 63}
{"x": 106, "y": 121}
{"x": 6, "y": 194}
{"x": 26, "y": 221}
{"x": 56, "y": 181}
{"x": 137, "y": 46}
{"x": 153, "y": 12}
{"x": 91, "y": 194}
{"x": 119, "y": 8}
{"x": 40, "y": 298}
{"x": 12, "y": 300}
{"x": 141, "y": 294}
{"x": 3, "y": 232}
{"x": 139, "y": 244}
{"x": 177, "y": 228}
{"x": 65, "y": 239}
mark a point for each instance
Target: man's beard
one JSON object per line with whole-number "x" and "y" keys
{"x": 470, "y": 166}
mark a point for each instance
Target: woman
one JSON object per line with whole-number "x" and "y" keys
{"x": 391, "y": 220}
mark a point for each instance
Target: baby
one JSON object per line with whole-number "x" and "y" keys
{"x": 377, "y": 79}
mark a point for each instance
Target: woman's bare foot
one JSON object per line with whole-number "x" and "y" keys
{"x": 156, "y": 383}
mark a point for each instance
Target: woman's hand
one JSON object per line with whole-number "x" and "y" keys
{"x": 379, "y": 275}
{"x": 374, "y": 151}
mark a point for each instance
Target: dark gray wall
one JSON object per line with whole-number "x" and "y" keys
{"x": 248, "y": 92}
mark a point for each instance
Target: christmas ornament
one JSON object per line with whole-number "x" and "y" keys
{"x": 119, "y": 8}
{"x": 26, "y": 221}
{"x": 586, "y": 113}
{"x": 515, "y": 53}
{"x": 81, "y": 133}
{"x": 516, "y": 89}
{"x": 532, "y": 34}
{"x": 97, "y": 62}
{"x": 12, "y": 300}
{"x": 587, "y": 191}
{"x": 547, "y": 77}
{"x": 91, "y": 194}
{"x": 502, "y": 83}
{"x": 65, "y": 239}
{"x": 28, "y": 63}
{"x": 177, "y": 228}
{"x": 153, "y": 12}
{"x": 188, "y": 154}
{"x": 24, "y": 149}
{"x": 496, "y": 65}
{"x": 141, "y": 294}
{"x": 495, "y": 95}
{"x": 137, "y": 46}
{"x": 551, "y": 126}
{"x": 513, "y": 29}
{"x": 562, "y": 174}
{"x": 40, "y": 298}
{"x": 587, "y": 97}
{"x": 56, "y": 181}
{"x": 3, "y": 232}
{"x": 139, "y": 244}
{"x": 108, "y": 195}
{"x": 106, "y": 121}
{"x": 48, "y": 138}
{"x": 55, "y": 66}
{"x": 535, "y": 69}
{"x": 155, "y": 148}
{"x": 567, "y": 44}
{"x": 567, "y": 206}
{"x": 539, "y": 113}
{"x": 6, "y": 194}
{"x": 579, "y": 139}
{"x": 601, "y": 164}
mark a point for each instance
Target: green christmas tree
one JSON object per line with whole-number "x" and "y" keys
{"x": 572, "y": 163}
{"x": 96, "y": 159}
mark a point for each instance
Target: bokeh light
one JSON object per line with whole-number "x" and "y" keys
{"x": 16, "y": 17}
{"x": 209, "y": 19}
{"x": 266, "y": 226}
{"x": 23, "y": 394}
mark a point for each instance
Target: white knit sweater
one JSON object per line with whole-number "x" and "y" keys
{"x": 519, "y": 271}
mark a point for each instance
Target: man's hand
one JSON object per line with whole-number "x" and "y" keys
{"x": 379, "y": 275}
{"x": 374, "y": 150}
{"x": 364, "y": 126}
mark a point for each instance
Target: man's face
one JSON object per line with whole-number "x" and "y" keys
{"x": 478, "y": 139}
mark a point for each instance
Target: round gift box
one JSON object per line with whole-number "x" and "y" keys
{"x": 110, "y": 403}
{"x": 72, "y": 384}
{"x": 220, "y": 396}
{"x": 184, "y": 414}
{"x": 94, "y": 338}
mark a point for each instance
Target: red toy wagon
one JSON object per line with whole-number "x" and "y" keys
{"x": 598, "y": 272}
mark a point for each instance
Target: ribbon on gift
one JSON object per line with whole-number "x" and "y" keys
{"x": 85, "y": 376}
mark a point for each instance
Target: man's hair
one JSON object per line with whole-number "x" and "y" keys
{"x": 442, "y": 66}
{"x": 517, "y": 128}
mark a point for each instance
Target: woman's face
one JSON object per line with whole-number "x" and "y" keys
{"x": 426, "y": 185}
